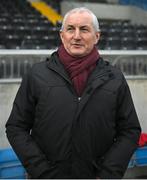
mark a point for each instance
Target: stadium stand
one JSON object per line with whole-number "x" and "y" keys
{"x": 141, "y": 4}
{"x": 122, "y": 35}
{"x": 25, "y": 25}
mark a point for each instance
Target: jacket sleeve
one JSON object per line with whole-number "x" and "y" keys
{"x": 128, "y": 131}
{"x": 18, "y": 128}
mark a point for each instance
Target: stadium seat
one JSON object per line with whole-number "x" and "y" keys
{"x": 141, "y": 43}
{"x": 128, "y": 43}
{"x": 113, "y": 43}
{"x": 2, "y": 46}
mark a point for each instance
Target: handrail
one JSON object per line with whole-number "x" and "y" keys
{"x": 50, "y": 51}
{"x": 18, "y": 80}
{"x": 26, "y": 52}
{"x": 115, "y": 56}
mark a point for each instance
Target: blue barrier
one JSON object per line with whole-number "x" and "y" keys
{"x": 139, "y": 157}
{"x": 10, "y": 166}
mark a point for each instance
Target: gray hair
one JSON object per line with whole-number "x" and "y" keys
{"x": 82, "y": 9}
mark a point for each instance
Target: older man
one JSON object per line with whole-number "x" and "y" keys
{"x": 73, "y": 115}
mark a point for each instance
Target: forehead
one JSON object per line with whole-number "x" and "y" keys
{"x": 79, "y": 19}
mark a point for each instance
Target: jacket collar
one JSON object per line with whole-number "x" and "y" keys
{"x": 55, "y": 64}
{"x": 101, "y": 74}
{"x": 102, "y": 70}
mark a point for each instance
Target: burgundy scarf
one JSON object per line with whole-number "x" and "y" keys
{"x": 78, "y": 68}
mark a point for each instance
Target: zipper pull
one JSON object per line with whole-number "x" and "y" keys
{"x": 79, "y": 98}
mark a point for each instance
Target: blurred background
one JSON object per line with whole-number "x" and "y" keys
{"x": 29, "y": 32}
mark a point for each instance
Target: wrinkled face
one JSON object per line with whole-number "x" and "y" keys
{"x": 78, "y": 35}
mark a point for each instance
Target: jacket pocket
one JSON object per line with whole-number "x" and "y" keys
{"x": 51, "y": 173}
{"x": 97, "y": 165}
{"x": 58, "y": 170}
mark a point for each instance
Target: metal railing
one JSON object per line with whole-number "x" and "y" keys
{"x": 15, "y": 63}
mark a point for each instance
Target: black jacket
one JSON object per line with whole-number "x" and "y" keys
{"x": 59, "y": 135}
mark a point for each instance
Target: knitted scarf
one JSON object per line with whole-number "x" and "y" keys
{"x": 78, "y": 68}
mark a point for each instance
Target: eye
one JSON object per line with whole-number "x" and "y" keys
{"x": 84, "y": 30}
{"x": 70, "y": 28}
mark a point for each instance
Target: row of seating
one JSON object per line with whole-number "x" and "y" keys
{"x": 122, "y": 35}
{"x": 23, "y": 27}
{"x": 125, "y": 43}
{"x": 48, "y": 37}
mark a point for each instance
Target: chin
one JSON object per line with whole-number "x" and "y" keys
{"x": 78, "y": 54}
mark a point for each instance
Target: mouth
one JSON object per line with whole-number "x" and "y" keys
{"x": 77, "y": 45}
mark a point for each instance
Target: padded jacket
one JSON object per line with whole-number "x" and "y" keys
{"x": 57, "y": 134}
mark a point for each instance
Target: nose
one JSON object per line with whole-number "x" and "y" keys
{"x": 77, "y": 34}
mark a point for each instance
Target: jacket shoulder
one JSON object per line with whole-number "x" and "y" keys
{"x": 38, "y": 66}
{"x": 115, "y": 70}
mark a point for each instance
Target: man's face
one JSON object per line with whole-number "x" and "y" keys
{"x": 78, "y": 35}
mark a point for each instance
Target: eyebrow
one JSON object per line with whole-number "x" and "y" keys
{"x": 70, "y": 25}
{"x": 84, "y": 26}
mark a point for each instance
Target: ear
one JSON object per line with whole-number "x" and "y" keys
{"x": 97, "y": 35}
{"x": 61, "y": 36}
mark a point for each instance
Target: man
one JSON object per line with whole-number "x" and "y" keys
{"x": 73, "y": 116}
